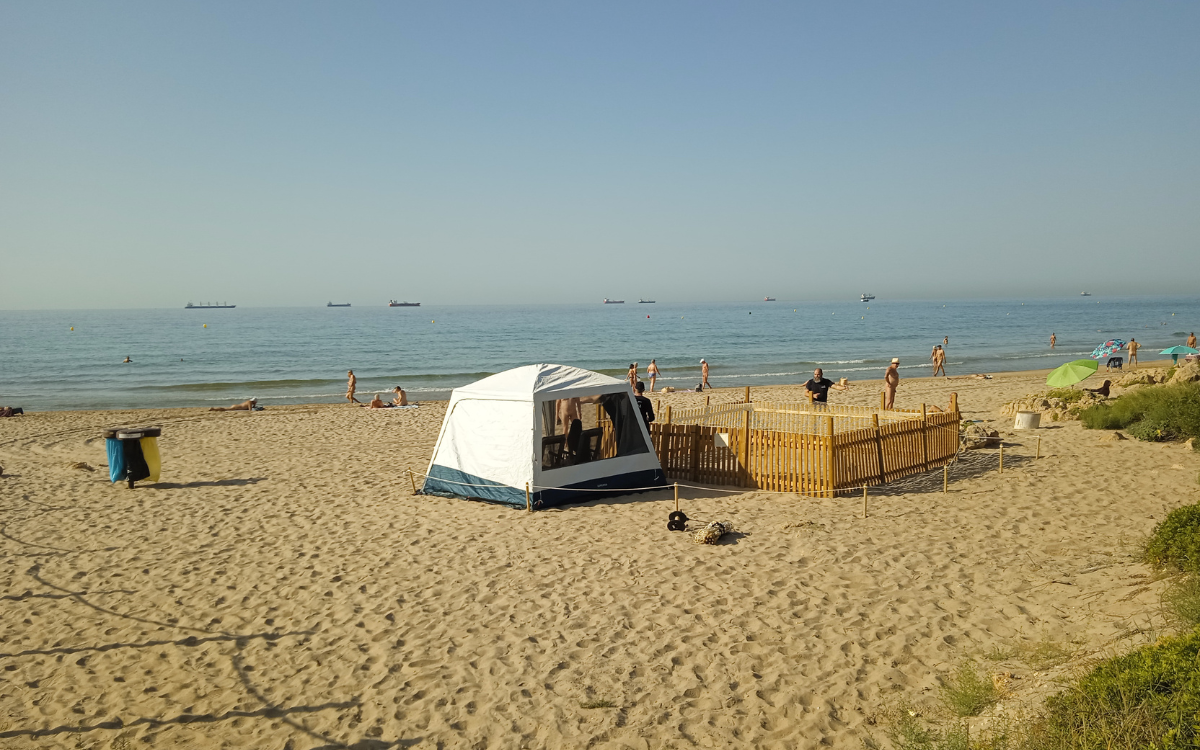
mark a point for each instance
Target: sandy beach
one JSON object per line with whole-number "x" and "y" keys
{"x": 282, "y": 587}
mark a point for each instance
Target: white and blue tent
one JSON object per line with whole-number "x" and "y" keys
{"x": 506, "y": 431}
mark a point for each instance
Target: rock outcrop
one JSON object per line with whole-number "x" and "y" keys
{"x": 1053, "y": 407}
{"x": 1189, "y": 373}
{"x": 976, "y": 436}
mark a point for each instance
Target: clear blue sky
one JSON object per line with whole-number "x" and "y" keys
{"x": 293, "y": 153}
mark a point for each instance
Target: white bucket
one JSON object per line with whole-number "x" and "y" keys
{"x": 1028, "y": 420}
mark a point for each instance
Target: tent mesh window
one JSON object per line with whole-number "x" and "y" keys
{"x": 594, "y": 428}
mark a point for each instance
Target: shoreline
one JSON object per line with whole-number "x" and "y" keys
{"x": 722, "y": 394}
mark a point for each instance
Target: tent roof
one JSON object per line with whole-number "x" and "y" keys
{"x": 540, "y": 380}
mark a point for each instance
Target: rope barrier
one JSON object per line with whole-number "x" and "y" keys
{"x": 742, "y": 491}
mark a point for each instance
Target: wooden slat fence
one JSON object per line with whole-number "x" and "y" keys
{"x": 799, "y": 448}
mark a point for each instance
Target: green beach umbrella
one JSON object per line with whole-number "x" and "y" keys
{"x": 1072, "y": 372}
{"x": 1175, "y": 351}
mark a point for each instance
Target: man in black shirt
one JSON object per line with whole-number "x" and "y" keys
{"x": 819, "y": 386}
{"x": 644, "y": 405}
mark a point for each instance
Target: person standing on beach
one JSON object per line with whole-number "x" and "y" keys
{"x": 644, "y": 405}
{"x": 633, "y": 376}
{"x": 1190, "y": 342}
{"x": 351, "y": 387}
{"x": 1133, "y": 350}
{"x": 819, "y": 386}
{"x": 939, "y": 361}
{"x": 1053, "y": 340}
{"x": 704, "y": 375}
{"x": 891, "y": 381}
{"x": 652, "y": 373}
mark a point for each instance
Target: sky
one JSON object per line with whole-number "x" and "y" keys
{"x": 293, "y": 153}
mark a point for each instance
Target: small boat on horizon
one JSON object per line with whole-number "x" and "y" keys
{"x": 394, "y": 303}
{"x": 208, "y": 306}
{"x": 1085, "y": 294}
{"x": 340, "y": 304}
{"x": 768, "y": 299}
{"x": 645, "y": 302}
{"x": 867, "y": 298}
{"x": 608, "y": 301}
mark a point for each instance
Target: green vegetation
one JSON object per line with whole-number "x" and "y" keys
{"x": 1182, "y": 601}
{"x": 966, "y": 692}
{"x": 1069, "y": 395}
{"x": 1175, "y": 541}
{"x": 1045, "y": 653}
{"x": 1169, "y": 412}
{"x": 1146, "y": 699}
{"x": 1000, "y": 653}
{"x": 907, "y": 730}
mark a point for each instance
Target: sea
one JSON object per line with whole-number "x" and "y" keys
{"x": 73, "y": 359}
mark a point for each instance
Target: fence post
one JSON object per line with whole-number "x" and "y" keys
{"x": 879, "y": 447}
{"x": 747, "y": 394}
{"x": 830, "y": 454}
{"x": 667, "y": 419}
{"x": 954, "y": 404}
{"x": 924, "y": 439}
{"x": 694, "y": 467}
{"x": 746, "y": 449}
{"x": 809, "y": 394}
{"x": 882, "y": 401}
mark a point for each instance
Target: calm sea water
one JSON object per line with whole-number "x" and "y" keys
{"x": 300, "y": 355}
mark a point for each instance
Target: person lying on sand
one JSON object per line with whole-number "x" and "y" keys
{"x": 244, "y": 406}
{"x": 976, "y": 376}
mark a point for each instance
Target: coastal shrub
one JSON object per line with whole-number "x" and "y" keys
{"x": 1175, "y": 541}
{"x": 1162, "y": 413}
{"x": 1148, "y": 698}
{"x": 1181, "y": 600}
{"x": 966, "y": 692}
{"x": 1067, "y": 395}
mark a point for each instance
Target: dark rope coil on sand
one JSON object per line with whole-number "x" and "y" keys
{"x": 678, "y": 521}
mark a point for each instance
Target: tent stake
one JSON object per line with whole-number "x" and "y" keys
{"x": 677, "y": 496}
{"x": 1002, "y": 458}
{"x": 864, "y": 501}
{"x": 412, "y": 479}
{"x": 528, "y": 502}
{"x": 945, "y": 478}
